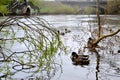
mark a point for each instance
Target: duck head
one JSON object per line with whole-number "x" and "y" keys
{"x": 74, "y": 56}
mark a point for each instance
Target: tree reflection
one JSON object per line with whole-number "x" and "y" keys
{"x": 97, "y": 65}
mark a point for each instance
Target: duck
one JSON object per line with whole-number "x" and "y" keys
{"x": 67, "y": 31}
{"x": 60, "y": 33}
{"x": 79, "y": 59}
{"x": 118, "y": 51}
{"x": 64, "y": 32}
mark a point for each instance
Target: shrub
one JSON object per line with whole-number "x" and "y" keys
{"x": 88, "y": 10}
{"x": 3, "y": 10}
{"x": 113, "y": 6}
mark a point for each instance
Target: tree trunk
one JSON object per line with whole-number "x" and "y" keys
{"x": 98, "y": 19}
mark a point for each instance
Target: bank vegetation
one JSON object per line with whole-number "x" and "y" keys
{"x": 55, "y": 7}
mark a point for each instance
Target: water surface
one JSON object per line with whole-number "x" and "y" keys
{"x": 80, "y": 27}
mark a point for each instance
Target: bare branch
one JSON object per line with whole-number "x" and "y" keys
{"x": 105, "y": 36}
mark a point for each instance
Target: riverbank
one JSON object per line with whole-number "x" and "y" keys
{"x": 57, "y": 8}
{"x": 57, "y": 14}
{"x": 51, "y": 14}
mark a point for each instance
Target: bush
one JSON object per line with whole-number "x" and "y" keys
{"x": 113, "y": 6}
{"x": 3, "y": 10}
{"x": 88, "y": 10}
{"x": 3, "y": 5}
{"x": 61, "y": 8}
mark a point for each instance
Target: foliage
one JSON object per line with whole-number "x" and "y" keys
{"x": 5, "y": 2}
{"x": 60, "y": 9}
{"x": 30, "y": 45}
{"x": 36, "y": 2}
{"x": 65, "y": 9}
{"x": 88, "y": 10}
{"x": 3, "y": 6}
{"x": 3, "y": 10}
{"x": 76, "y": 9}
{"x": 113, "y": 6}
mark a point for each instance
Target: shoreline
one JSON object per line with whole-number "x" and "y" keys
{"x": 52, "y": 14}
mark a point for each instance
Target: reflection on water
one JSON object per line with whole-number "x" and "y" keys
{"x": 102, "y": 67}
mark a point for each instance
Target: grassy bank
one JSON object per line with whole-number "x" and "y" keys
{"x": 55, "y": 7}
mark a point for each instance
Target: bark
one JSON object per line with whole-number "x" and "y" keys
{"x": 98, "y": 19}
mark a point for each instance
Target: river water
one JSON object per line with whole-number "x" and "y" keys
{"x": 80, "y": 25}
{"x": 80, "y": 28}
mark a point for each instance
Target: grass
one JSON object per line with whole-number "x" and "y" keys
{"x": 58, "y": 10}
{"x": 3, "y": 10}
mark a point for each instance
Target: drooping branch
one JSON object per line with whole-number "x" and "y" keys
{"x": 34, "y": 42}
{"x": 105, "y": 36}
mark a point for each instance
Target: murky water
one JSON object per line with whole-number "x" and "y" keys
{"x": 80, "y": 27}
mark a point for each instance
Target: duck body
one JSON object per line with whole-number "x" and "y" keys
{"x": 63, "y": 32}
{"x": 118, "y": 51}
{"x": 80, "y": 59}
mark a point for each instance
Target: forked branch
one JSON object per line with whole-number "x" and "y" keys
{"x": 105, "y": 36}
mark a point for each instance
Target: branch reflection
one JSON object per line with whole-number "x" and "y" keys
{"x": 97, "y": 65}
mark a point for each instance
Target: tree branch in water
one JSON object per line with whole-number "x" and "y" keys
{"x": 105, "y": 36}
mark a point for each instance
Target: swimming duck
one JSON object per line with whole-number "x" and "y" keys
{"x": 60, "y": 33}
{"x": 118, "y": 51}
{"x": 67, "y": 31}
{"x": 79, "y": 59}
{"x": 64, "y": 32}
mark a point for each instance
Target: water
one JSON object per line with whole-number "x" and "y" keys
{"x": 80, "y": 25}
{"x": 77, "y": 38}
